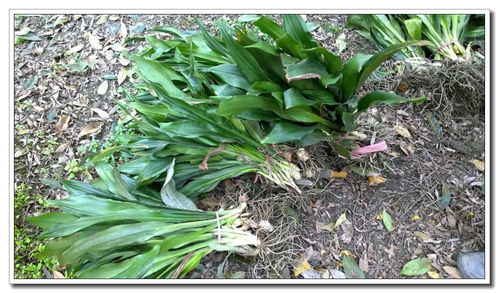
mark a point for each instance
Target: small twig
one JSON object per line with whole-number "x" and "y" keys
{"x": 204, "y": 163}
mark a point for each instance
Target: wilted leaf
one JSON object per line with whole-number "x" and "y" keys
{"x": 452, "y": 271}
{"x": 415, "y": 218}
{"x": 332, "y": 226}
{"x": 433, "y": 274}
{"x": 352, "y": 270}
{"x": 341, "y": 43}
{"x": 123, "y": 31}
{"x": 122, "y": 75}
{"x": 102, "y": 19}
{"x": 340, "y": 174}
{"x": 415, "y": 267}
{"x": 102, "y": 88}
{"x": 94, "y": 42}
{"x": 74, "y": 49}
{"x": 90, "y": 128}
{"x": 62, "y": 124}
{"x": 387, "y": 220}
{"x": 421, "y": 235}
{"x": 375, "y": 180}
{"x": 123, "y": 61}
{"x": 407, "y": 149}
{"x": 210, "y": 202}
{"x": 402, "y": 131}
{"x": 348, "y": 231}
{"x": 302, "y": 266}
{"x": 62, "y": 148}
{"x": 23, "y": 131}
{"x": 363, "y": 262}
{"x": 445, "y": 198}
{"x": 58, "y": 275}
{"x": 102, "y": 114}
{"x": 480, "y": 165}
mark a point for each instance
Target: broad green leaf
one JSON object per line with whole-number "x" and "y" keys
{"x": 243, "y": 59}
{"x": 293, "y": 98}
{"x": 375, "y": 61}
{"x": 231, "y": 75}
{"x": 416, "y": 267}
{"x": 239, "y": 104}
{"x": 266, "y": 86}
{"x": 387, "y": 220}
{"x": 305, "y": 69}
{"x": 287, "y": 132}
{"x": 211, "y": 41}
{"x": 351, "y": 73}
{"x": 304, "y": 115}
{"x": 377, "y": 97}
{"x": 269, "y": 27}
{"x": 113, "y": 180}
{"x": 173, "y": 198}
{"x": 139, "y": 265}
{"x": 351, "y": 268}
{"x": 264, "y": 47}
{"x": 294, "y": 25}
{"x": 77, "y": 188}
{"x": 348, "y": 121}
{"x": 48, "y": 220}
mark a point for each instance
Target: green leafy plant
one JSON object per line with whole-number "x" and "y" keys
{"x": 113, "y": 228}
{"x": 218, "y": 103}
{"x": 446, "y": 32}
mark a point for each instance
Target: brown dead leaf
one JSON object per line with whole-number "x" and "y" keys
{"x": 62, "y": 147}
{"x": 423, "y": 236}
{"x": 402, "y": 131}
{"x": 102, "y": 114}
{"x": 340, "y": 174}
{"x": 407, "y": 149}
{"x": 102, "y": 88}
{"x": 74, "y": 49}
{"x": 58, "y": 275}
{"x": 363, "y": 262}
{"x": 94, "y": 42}
{"x": 62, "y": 124}
{"x": 122, "y": 75}
{"x": 480, "y": 165}
{"x": 90, "y": 128}
{"x": 302, "y": 266}
{"x": 209, "y": 202}
{"x": 452, "y": 272}
{"x": 123, "y": 61}
{"x": 375, "y": 180}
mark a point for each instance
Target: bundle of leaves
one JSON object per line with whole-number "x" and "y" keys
{"x": 447, "y": 33}
{"x": 219, "y": 106}
{"x": 113, "y": 228}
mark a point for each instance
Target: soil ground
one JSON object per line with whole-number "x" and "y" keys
{"x": 419, "y": 168}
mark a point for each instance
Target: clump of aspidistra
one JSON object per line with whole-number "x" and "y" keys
{"x": 115, "y": 228}
{"x": 220, "y": 105}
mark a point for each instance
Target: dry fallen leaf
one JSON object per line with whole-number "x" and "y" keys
{"x": 348, "y": 231}
{"x": 122, "y": 75}
{"x": 90, "y": 128}
{"x": 123, "y": 61}
{"x": 58, "y": 275}
{"x": 375, "y": 180}
{"x": 340, "y": 174}
{"x": 62, "y": 124}
{"x": 94, "y": 42}
{"x": 423, "y": 236}
{"x": 331, "y": 226}
{"x": 102, "y": 19}
{"x": 415, "y": 218}
{"x": 348, "y": 252}
{"x": 74, "y": 49}
{"x": 209, "y": 202}
{"x": 407, "y": 149}
{"x": 102, "y": 114}
{"x": 102, "y": 88}
{"x": 480, "y": 165}
{"x": 363, "y": 262}
{"x": 453, "y": 272}
{"x": 123, "y": 31}
{"x": 433, "y": 274}
{"x": 117, "y": 47}
{"x": 402, "y": 131}
{"x": 302, "y": 266}
{"x": 302, "y": 154}
{"x": 23, "y": 131}
{"x": 62, "y": 147}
